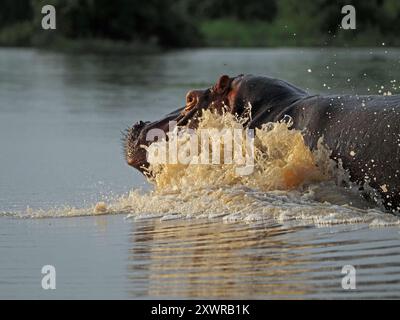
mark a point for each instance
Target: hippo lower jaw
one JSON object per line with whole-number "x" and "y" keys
{"x": 139, "y": 163}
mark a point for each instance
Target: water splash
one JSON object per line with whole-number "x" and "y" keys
{"x": 288, "y": 183}
{"x": 282, "y": 161}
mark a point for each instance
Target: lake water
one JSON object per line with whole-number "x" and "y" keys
{"x": 61, "y": 118}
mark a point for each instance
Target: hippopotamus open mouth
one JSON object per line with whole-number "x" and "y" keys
{"x": 219, "y": 97}
{"x": 229, "y": 94}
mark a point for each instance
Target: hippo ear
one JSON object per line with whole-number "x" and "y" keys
{"x": 223, "y": 83}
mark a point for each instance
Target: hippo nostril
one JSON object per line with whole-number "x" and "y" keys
{"x": 191, "y": 98}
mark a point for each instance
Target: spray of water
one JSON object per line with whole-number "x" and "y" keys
{"x": 288, "y": 182}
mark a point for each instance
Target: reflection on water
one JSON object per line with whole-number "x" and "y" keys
{"x": 206, "y": 259}
{"x": 113, "y": 257}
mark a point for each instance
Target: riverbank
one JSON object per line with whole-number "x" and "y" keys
{"x": 233, "y": 33}
{"x": 23, "y": 36}
{"x": 214, "y": 33}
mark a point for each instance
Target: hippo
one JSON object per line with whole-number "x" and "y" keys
{"x": 362, "y": 131}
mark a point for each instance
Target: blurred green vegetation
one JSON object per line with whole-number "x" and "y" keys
{"x": 309, "y": 23}
{"x": 152, "y": 24}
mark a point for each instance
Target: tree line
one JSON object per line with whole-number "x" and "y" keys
{"x": 184, "y": 23}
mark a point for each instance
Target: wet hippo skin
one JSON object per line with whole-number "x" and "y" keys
{"x": 363, "y": 131}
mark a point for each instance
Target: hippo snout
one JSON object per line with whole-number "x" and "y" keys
{"x": 135, "y": 155}
{"x": 142, "y": 134}
{"x": 195, "y": 98}
{"x": 137, "y": 127}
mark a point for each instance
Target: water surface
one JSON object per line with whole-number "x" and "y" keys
{"x": 60, "y": 122}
